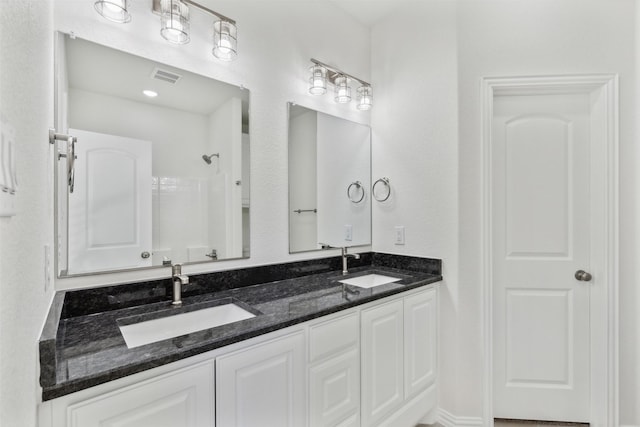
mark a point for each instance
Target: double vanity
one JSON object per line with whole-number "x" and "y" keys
{"x": 291, "y": 344}
{"x": 308, "y": 343}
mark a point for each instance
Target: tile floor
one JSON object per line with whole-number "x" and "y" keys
{"x": 519, "y": 423}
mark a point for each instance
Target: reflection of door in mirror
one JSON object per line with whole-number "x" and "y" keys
{"x": 196, "y": 128}
{"x": 110, "y": 208}
{"x": 327, "y": 155}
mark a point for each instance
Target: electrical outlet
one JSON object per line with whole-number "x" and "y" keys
{"x": 348, "y": 232}
{"x": 47, "y": 268}
{"x": 399, "y": 235}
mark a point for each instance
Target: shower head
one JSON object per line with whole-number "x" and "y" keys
{"x": 207, "y": 159}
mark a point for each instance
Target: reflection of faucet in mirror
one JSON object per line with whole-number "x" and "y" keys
{"x": 207, "y": 159}
{"x": 346, "y": 292}
{"x": 178, "y": 279}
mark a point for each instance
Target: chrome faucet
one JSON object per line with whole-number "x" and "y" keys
{"x": 345, "y": 255}
{"x": 178, "y": 279}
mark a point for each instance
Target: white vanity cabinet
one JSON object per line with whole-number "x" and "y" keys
{"x": 182, "y": 398}
{"x": 382, "y": 361}
{"x": 368, "y": 366}
{"x": 398, "y": 359}
{"x": 334, "y": 371}
{"x": 263, "y": 385}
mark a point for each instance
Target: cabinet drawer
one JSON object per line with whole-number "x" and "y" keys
{"x": 333, "y": 336}
{"x": 180, "y": 399}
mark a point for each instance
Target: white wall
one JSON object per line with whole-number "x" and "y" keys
{"x": 414, "y": 123}
{"x": 275, "y": 41}
{"x": 415, "y": 141}
{"x": 26, "y": 99}
{"x": 578, "y": 36}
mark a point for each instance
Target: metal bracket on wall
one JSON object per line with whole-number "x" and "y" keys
{"x": 70, "y": 154}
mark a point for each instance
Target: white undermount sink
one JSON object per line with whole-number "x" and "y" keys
{"x": 370, "y": 280}
{"x": 150, "y": 331}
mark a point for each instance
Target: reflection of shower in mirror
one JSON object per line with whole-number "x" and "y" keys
{"x": 207, "y": 159}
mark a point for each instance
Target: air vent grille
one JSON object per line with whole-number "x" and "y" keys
{"x": 165, "y": 76}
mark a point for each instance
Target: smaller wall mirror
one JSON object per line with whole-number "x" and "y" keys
{"x": 161, "y": 171}
{"x": 329, "y": 181}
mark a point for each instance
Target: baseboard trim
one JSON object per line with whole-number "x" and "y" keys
{"x": 447, "y": 419}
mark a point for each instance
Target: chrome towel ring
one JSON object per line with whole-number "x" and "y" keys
{"x": 385, "y": 181}
{"x": 358, "y": 185}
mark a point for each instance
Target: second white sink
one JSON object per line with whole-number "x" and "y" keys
{"x": 137, "y": 334}
{"x": 370, "y": 280}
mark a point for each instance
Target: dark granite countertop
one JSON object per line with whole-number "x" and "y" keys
{"x": 81, "y": 344}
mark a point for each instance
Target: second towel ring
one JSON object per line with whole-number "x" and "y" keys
{"x": 384, "y": 181}
{"x": 357, "y": 184}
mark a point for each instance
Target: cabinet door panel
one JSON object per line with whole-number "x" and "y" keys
{"x": 334, "y": 390}
{"x": 263, "y": 385}
{"x": 420, "y": 342}
{"x": 181, "y": 399}
{"x": 382, "y": 361}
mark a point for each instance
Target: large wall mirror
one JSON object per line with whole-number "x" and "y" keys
{"x": 329, "y": 181}
{"x": 161, "y": 170}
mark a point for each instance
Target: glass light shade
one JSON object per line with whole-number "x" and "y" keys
{"x": 365, "y": 98}
{"x": 343, "y": 91}
{"x": 113, "y": 10}
{"x": 174, "y": 20}
{"x": 318, "y": 80}
{"x": 225, "y": 40}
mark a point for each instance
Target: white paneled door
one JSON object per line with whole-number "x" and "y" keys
{"x": 541, "y": 236}
{"x": 110, "y": 208}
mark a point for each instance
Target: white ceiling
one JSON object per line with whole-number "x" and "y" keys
{"x": 96, "y": 68}
{"x": 369, "y": 12}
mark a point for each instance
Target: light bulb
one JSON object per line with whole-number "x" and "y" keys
{"x": 225, "y": 42}
{"x": 113, "y": 10}
{"x": 365, "y": 98}
{"x": 318, "y": 80}
{"x": 174, "y": 21}
{"x": 343, "y": 91}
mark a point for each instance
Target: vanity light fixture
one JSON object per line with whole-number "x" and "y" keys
{"x": 322, "y": 73}
{"x": 175, "y": 23}
{"x": 114, "y": 10}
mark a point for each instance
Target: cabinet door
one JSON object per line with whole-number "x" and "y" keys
{"x": 263, "y": 385}
{"x": 382, "y": 361}
{"x": 180, "y": 399}
{"x": 334, "y": 391}
{"x": 420, "y": 312}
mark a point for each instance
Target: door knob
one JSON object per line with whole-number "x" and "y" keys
{"x": 583, "y": 276}
{"x": 145, "y": 255}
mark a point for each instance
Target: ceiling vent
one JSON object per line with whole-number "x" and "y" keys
{"x": 165, "y": 76}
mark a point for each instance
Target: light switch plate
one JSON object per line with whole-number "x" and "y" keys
{"x": 8, "y": 180}
{"x": 399, "y": 235}
{"x": 348, "y": 232}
